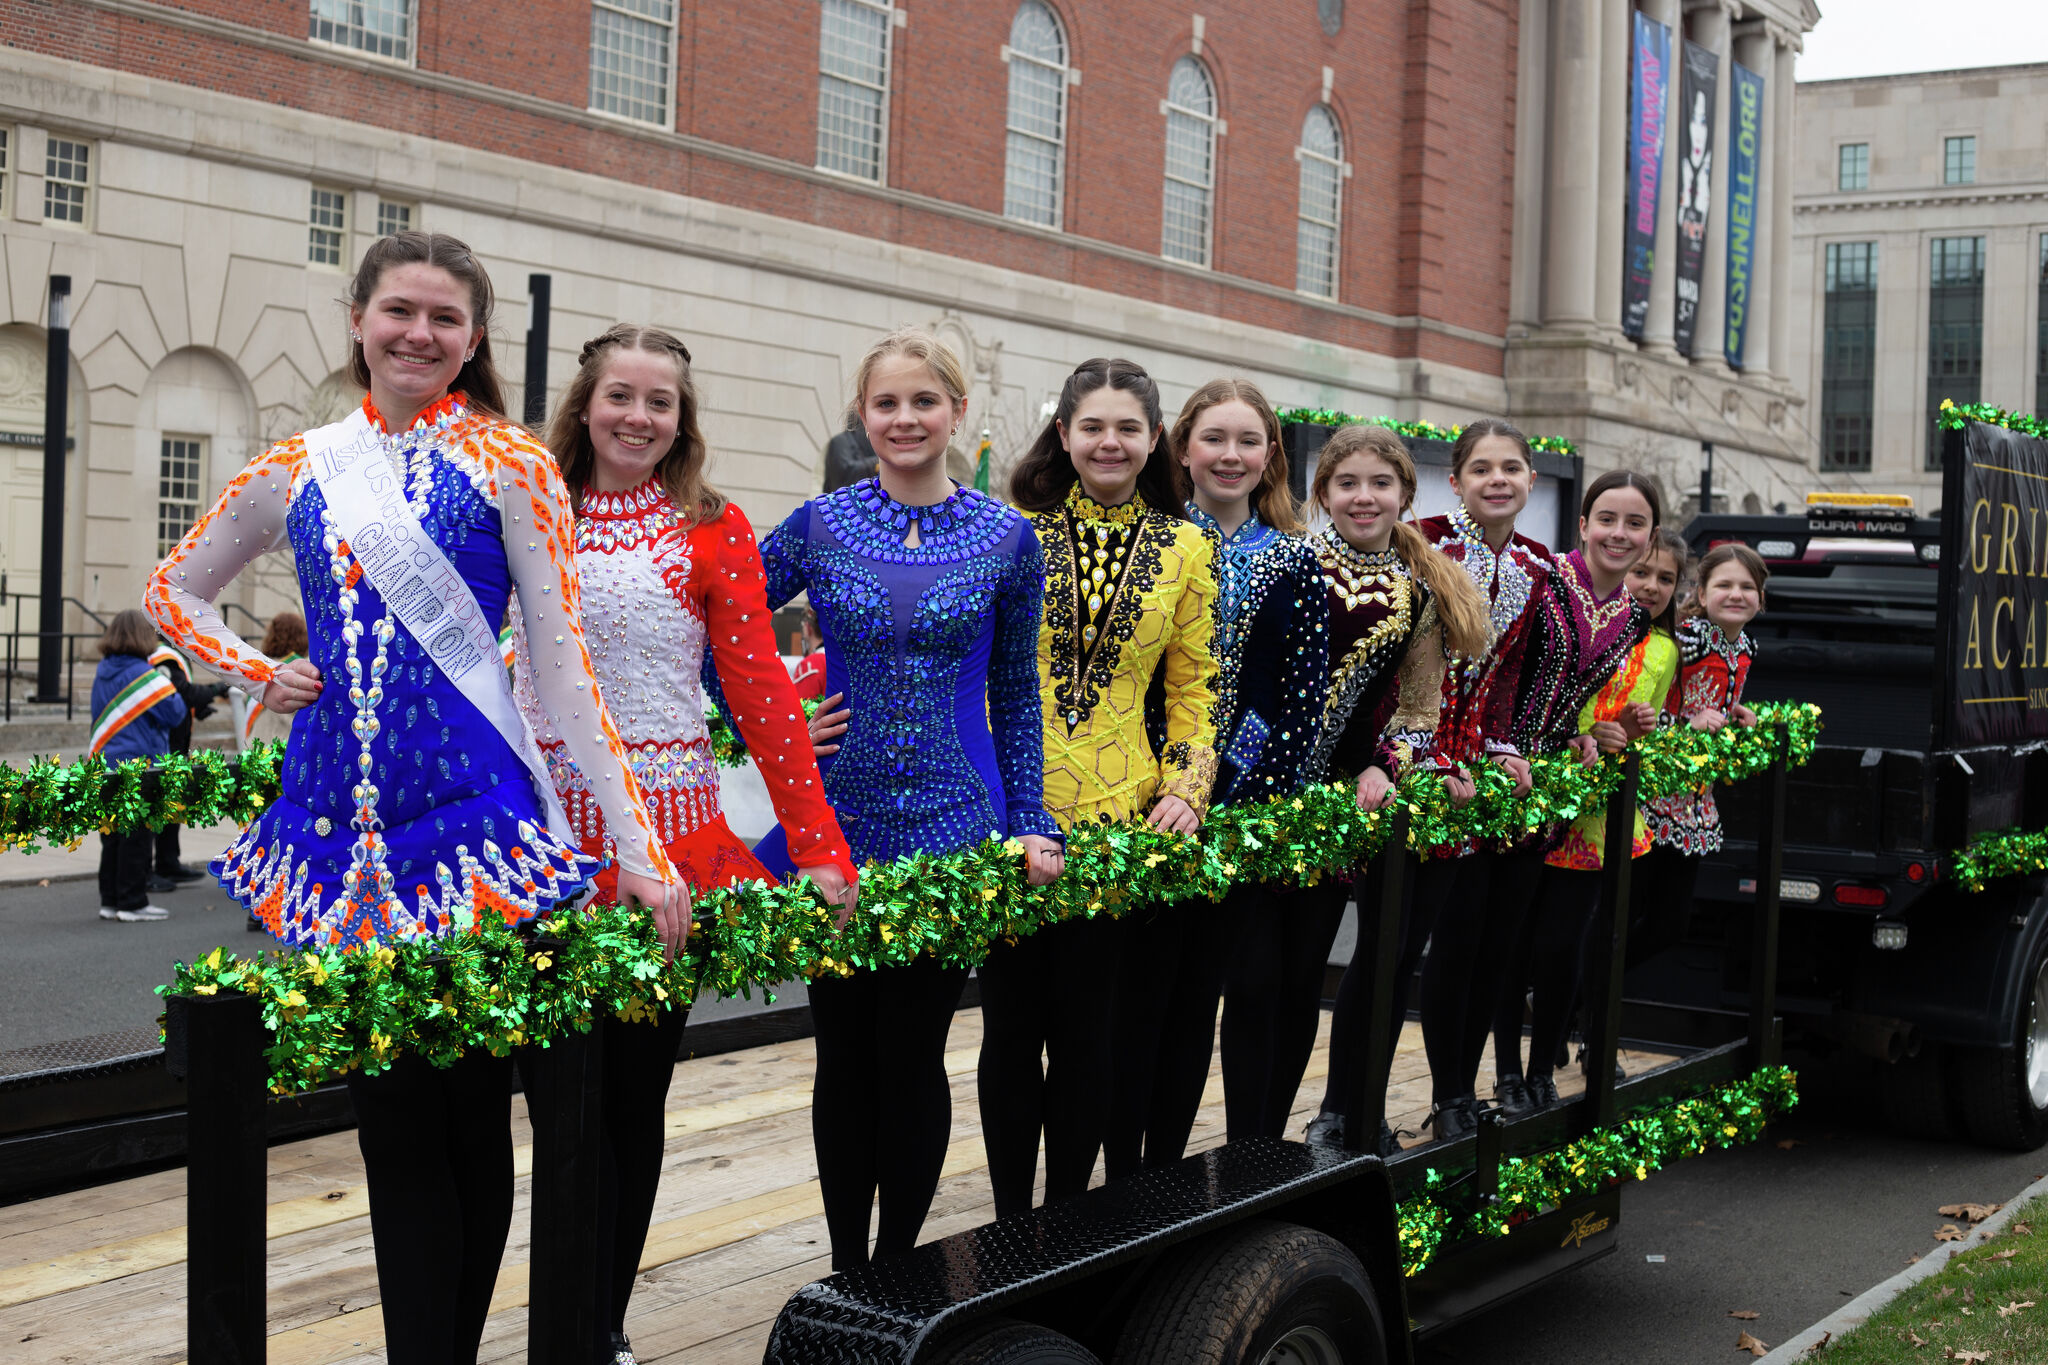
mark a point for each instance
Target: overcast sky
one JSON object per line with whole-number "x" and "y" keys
{"x": 1881, "y": 37}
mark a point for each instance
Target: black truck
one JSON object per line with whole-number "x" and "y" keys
{"x": 1918, "y": 638}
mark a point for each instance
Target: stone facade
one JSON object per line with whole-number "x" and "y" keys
{"x": 1904, "y": 206}
{"x": 210, "y": 124}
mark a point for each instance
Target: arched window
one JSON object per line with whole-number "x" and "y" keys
{"x": 1035, "y": 169}
{"x": 1321, "y": 154}
{"x": 1190, "y": 162}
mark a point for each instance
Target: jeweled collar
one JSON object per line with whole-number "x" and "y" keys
{"x": 934, "y": 518}
{"x": 1081, "y": 507}
{"x": 642, "y": 497}
{"x": 450, "y": 409}
{"x": 1716, "y": 639}
{"x": 1344, "y": 551}
{"x": 1249, "y": 535}
{"x": 1471, "y": 532}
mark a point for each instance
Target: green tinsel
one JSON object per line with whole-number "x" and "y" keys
{"x": 1956, "y": 415}
{"x": 2006, "y": 853}
{"x": 60, "y": 803}
{"x": 438, "y": 996}
{"x": 1725, "y": 1116}
{"x": 1420, "y": 431}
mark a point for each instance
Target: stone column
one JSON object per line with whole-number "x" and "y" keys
{"x": 1710, "y": 27}
{"x": 1663, "y": 303}
{"x": 1783, "y": 138}
{"x": 1753, "y": 48}
{"x": 1616, "y": 45}
{"x": 1572, "y": 166}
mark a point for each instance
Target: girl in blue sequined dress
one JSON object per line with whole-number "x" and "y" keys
{"x": 409, "y": 805}
{"x": 928, "y": 596}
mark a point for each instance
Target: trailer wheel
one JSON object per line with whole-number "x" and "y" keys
{"x": 1263, "y": 1294}
{"x": 1005, "y": 1341}
{"x": 1912, "y": 1094}
{"x": 2004, "y": 1091}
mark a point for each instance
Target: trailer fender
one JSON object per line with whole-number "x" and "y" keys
{"x": 1960, "y": 977}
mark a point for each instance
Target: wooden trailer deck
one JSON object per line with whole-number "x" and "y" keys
{"x": 98, "y": 1275}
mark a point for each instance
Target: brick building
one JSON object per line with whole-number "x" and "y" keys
{"x": 1322, "y": 196}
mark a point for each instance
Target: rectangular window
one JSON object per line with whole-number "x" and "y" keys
{"x": 392, "y": 218}
{"x": 1959, "y": 161}
{"x": 382, "y": 28}
{"x": 67, "y": 175}
{"x": 1955, "y": 330}
{"x": 325, "y": 223}
{"x": 1852, "y": 166}
{"x": 853, "y": 86}
{"x": 631, "y": 42}
{"x": 181, "y": 474}
{"x": 6, "y": 151}
{"x": 1849, "y": 329}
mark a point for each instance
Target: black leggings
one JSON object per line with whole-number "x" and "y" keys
{"x": 1426, "y": 884}
{"x": 1555, "y": 941}
{"x": 636, "y": 1063}
{"x": 1049, "y": 995}
{"x": 881, "y": 1106}
{"x": 437, "y": 1151}
{"x": 1170, "y": 982}
{"x": 1272, "y": 1002}
{"x": 124, "y": 869}
{"x": 1660, "y": 901}
{"x": 1479, "y": 914}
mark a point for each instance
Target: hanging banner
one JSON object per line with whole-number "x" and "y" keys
{"x": 1745, "y": 138}
{"x": 1994, "y": 619}
{"x": 1647, "y": 98}
{"x": 1696, "y": 88}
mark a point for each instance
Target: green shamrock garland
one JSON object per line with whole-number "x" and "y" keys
{"x": 1956, "y": 416}
{"x": 1419, "y": 431}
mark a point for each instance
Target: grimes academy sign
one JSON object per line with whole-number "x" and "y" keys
{"x": 1995, "y": 495}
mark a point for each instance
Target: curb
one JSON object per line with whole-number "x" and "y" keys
{"x": 1859, "y": 1309}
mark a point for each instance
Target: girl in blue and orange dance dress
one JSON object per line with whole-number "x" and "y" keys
{"x": 1272, "y": 653}
{"x": 1398, "y": 611}
{"x": 1130, "y": 592}
{"x": 414, "y": 802}
{"x": 928, "y": 597}
{"x": 672, "y": 582}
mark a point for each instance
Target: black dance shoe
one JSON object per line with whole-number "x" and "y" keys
{"x": 1511, "y": 1097}
{"x": 1325, "y": 1130}
{"x": 1388, "y": 1144}
{"x": 180, "y": 873}
{"x": 1454, "y": 1119}
{"x": 1542, "y": 1092}
{"x": 620, "y": 1352}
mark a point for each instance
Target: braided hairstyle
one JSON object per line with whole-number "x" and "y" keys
{"x": 1042, "y": 477}
{"x": 681, "y": 470}
{"x": 478, "y": 378}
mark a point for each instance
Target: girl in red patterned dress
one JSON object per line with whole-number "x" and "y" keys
{"x": 672, "y": 583}
{"x": 1714, "y": 653}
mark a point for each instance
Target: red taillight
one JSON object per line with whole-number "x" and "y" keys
{"x": 1862, "y": 897}
{"x": 1915, "y": 872}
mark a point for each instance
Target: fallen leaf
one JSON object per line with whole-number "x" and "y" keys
{"x": 2001, "y": 1255}
{"x": 1950, "y": 1233}
{"x": 1915, "y": 1337}
{"x": 1954, "y": 1354}
{"x": 1976, "y": 1213}
{"x": 1944, "y": 1291}
{"x": 44, "y": 882}
{"x": 1913, "y": 1259}
{"x": 2009, "y": 1309}
{"x": 2021, "y": 1230}
{"x": 1746, "y": 1314}
{"x": 1748, "y": 1343}
{"x": 1969, "y": 1295}
{"x": 1821, "y": 1345}
{"x": 1787, "y": 1144}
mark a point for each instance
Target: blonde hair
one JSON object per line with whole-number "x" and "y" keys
{"x": 910, "y": 343}
{"x": 1468, "y": 628}
{"x": 681, "y": 471}
{"x": 1272, "y": 499}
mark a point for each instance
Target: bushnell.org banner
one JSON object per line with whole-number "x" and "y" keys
{"x": 1745, "y": 137}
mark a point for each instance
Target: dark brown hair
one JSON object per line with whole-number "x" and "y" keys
{"x": 285, "y": 635}
{"x": 1272, "y": 499}
{"x": 478, "y": 379}
{"x": 1478, "y": 430}
{"x": 1664, "y": 540}
{"x": 130, "y": 632}
{"x": 1623, "y": 478}
{"x": 1727, "y": 552}
{"x": 1468, "y": 628}
{"x": 1041, "y": 479}
{"x": 681, "y": 470}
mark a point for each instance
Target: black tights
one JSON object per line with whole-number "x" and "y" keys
{"x": 1169, "y": 985}
{"x": 1479, "y": 916}
{"x": 437, "y": 1151}
{"x": 1051, "y": 996}
{"x": 1426, "y": 883}
{"x": 1554, "y": 944}
{"x": 1273, "y": 999}
{"x": 1660, "y": 901}
{"x": 881, "y": 1106}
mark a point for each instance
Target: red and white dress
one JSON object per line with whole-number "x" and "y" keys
{"x": 657, "y": 594}
{"x": 1712, "y": 672}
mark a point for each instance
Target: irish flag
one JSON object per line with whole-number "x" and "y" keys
{"x": 146, "y": 691}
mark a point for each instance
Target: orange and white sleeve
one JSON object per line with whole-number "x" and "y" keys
{"x": 540, "y": 551}
{"x": 244, "y": 523}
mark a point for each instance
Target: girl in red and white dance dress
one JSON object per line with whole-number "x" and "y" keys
{"x": 672, "y": 583}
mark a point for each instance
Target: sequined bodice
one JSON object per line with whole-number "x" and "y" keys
{"x": 1374, "y": 605}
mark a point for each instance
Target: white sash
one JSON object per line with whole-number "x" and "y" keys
{"x": 366, "y": 498}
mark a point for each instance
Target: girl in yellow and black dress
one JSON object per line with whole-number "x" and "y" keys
{"x": 1130, "y": 593}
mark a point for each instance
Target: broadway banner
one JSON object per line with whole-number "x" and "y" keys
{"x": 1745, "y": 136}
{"x": 1697, "y": 80}
{"x": 1994, "y": 567}
{"x": 1648, "y": 94}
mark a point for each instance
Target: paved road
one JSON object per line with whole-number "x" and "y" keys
{"x": 1791, "y": 1234}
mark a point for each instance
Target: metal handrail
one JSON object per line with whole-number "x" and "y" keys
{"x": 255, "y": 620}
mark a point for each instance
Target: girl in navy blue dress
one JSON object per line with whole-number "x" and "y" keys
{"x": 928, "y": 596}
